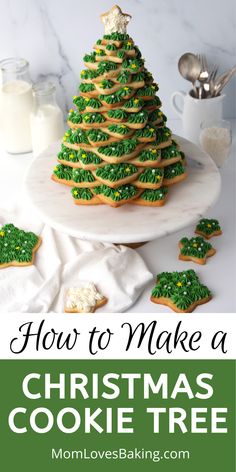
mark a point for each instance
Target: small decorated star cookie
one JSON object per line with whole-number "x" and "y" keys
{"x": 195, "y": 250}
{"x": 115, "y": 21}
{"x": 208, "y": 228}
{"x": 83, "y": 299}
{"x": 181, "y": 291}
{"x": 17, "y": 247}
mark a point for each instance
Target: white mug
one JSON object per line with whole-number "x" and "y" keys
{"x": 194, "y": 111}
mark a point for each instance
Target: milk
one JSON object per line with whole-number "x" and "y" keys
{"x": 16, "y": 103}
{"x": 47, "y": 126}
{"x": 216, "y": 141}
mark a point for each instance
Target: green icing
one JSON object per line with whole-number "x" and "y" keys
{"x": 77, "y": 136}
{"x": 67, "y": 154}
{"x": 139, "y": 117}
{"x": 97, "y": 190}
{"x": 111, "y": 99}
{"x": 82, "y": 175}
{"x": 173, "y": 170}
{"x": 120, "y": 129}
{"x": 118, "y": 149}
{"x": 153, "y": 102}
{"x": 138, "y": 52}
{"x": 182, "y": 288}
{"x": 81, "y": 193}
{"x": 152, "y": 176}
{"x": 124, "y": 192}
{"x": 148, "y": 91}
{"x": 128, "y": 45}
{"x": 111, "y": 47}
{"x": 74, "y": 117}
{"x": 90, "y": 57}
{"x": 121, "y": 54}
{"x": 93, "y": 103}
{"x": 154, "y": 195}
{"x": 87, "y": 157}
{"x": 170, "y": 152}
{"x": 123, "y": 77}
{"x": 114, "y": 172}
{"x": 208, "y": 226}
{"x": 140, "y": 76}
{"x": 100, "y": 52}
{"x": 96, "y": 135}
{"x": 134, "y": 102}
{"x": 149, "y": 155}
{"x": 88, "y": 74}
{"x": 133, "y": 64}
{"x": 162, "y": 134}
{"x": 80, "y": 102}
{"x": 195, "y": 247}
{"x": 106, "y": 66}
{"x": 16, "y": 245}
{"x": 116, "y": 97}
{"x": 116, "y": 36}
{"x": 84, "y": 88}
{"x": 146, "y": 132}
{"x": 92, "y": 117}
{"x": 106, "y": 84}
{"x": 99, "y": 41}
{"x": 63, "y": 172}
{"x": 117, "y": 114}
{"x": 156, "y": 115}
{"x": 148, "y": 77}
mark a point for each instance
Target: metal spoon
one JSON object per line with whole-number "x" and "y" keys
{"x": 190, "y": 68}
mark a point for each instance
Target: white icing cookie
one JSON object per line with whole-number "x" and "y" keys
{"x": 84, "y": 299}
{"x": 115, "y": 20}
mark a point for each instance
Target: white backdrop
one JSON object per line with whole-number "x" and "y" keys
{"x": 54, "y": 35}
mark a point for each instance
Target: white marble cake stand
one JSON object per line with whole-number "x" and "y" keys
{"x": 187, "y": 202}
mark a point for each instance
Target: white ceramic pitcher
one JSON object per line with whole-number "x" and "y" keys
{"x": 193, "y": 111}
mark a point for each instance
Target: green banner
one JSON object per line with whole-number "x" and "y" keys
{"x": 163, "y": 399}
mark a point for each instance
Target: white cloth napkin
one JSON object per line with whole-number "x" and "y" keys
{"x": 118, "y": 272}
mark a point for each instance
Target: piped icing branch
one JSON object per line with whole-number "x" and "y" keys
{"x": 154, "y": 195}
{"x": 114, "y": 172}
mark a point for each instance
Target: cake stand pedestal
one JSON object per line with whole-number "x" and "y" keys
{"x": 129, "y": 224}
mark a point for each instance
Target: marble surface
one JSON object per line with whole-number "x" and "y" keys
{"x": 54, "y": 35}
{"x": 186, "y": 203}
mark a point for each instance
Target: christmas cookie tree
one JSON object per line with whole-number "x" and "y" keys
{"x": 118, "y": 148}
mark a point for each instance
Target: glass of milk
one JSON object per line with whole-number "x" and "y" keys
{"x": 216, "y": 139}
{"x": 16, "y": 103}
{"x": 46, "y": 120}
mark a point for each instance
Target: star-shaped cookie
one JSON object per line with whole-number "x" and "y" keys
{"x": 195, "y": 250}
{"x": 84, "y": 298}
{"x": 17, "y": 247}
{"x": 208, "y": 228}
{"x": 115, "y": 20}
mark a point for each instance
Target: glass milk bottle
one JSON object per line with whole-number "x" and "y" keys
{"x": 47, "y": 125}
{"x": 16, "y": 103}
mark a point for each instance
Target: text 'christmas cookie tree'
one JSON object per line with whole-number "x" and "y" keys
{"x": 118, "y": 149}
